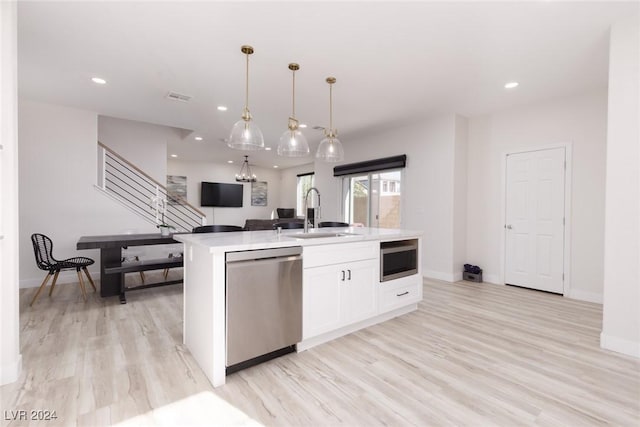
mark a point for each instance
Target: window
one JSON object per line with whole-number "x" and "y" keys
{"x": 305, "y": 182}
{"x": 373, "y": 199}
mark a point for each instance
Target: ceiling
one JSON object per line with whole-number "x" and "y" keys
{"x": 395, "y": 63}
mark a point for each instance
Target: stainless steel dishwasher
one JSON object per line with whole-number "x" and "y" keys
{"x": 264, "y": 305}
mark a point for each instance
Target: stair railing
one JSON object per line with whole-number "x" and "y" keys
{"x": 134, "y": 188}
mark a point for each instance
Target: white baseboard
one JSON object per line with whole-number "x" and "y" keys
{"x": 456, "y": 277}
{"x": 585, "y": 296}
{"x": 10, "y": 372}
{"x": 439, "y": 275}
{"x": 64, "y": 277}
{"x": 492, "y": 278}
{"x": 620, "y": 345}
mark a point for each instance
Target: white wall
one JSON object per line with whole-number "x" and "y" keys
{"x": 460, "y": 196}
{"x": 58, "y": 170}
{"x": 289, "y": 187}
{"x": 143, "y": 144}
{"x": 580, "y": 120}
{"x": 10, "y": 358}
{"x": 428, "y": 186}
{"x": 621, "y": 311}
{"x": 196, "y": 172}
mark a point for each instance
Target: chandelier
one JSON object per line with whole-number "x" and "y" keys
{"x": 245, "y": 174}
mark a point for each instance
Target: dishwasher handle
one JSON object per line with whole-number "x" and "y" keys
{"x": 259, "y": 254}
{"x": 263, "y": 261}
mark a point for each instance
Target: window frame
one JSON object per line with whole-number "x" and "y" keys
{"x": 346, "y": 188}
{"x": 299, "y": 197}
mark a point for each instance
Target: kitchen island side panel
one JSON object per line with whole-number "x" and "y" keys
{"x": 204, "y": 310}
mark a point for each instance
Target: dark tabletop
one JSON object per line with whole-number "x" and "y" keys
{"x": 120, "y": 240}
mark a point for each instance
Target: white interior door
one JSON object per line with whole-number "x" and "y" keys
{"x": 534, "y": 228}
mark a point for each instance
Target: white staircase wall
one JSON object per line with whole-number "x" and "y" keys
{"x": 143, "y": 144}
{"x": 57, "y": 172}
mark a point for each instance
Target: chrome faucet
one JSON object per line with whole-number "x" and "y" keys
{"x": 306, "y": 210}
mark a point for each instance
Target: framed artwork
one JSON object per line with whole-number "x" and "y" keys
{"x": 176, "y": 189}
{"x": 259, "y": 193}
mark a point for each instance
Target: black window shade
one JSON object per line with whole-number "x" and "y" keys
{"x": 395, "y": 162}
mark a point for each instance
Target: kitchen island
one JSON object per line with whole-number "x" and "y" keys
{"x": 331, "y": 259}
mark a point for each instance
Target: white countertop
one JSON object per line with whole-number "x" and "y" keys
{"x": 250, "y": 240}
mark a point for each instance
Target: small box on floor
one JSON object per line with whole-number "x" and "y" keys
{"x": 472, "y": 277}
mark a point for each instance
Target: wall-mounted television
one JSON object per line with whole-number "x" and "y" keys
{"x": 221, "y": 195}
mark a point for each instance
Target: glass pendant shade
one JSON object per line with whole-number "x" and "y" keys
{"x": 330, "y": 150}
{"x": 246, "y": 135}
{"x": 293, "y": 143}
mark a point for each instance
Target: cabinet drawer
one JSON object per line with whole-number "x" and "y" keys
{"x": 398, "y": 296}
{"x": 337, "y": 253}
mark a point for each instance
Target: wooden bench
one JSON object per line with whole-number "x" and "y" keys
{"x": 143, "y": 265}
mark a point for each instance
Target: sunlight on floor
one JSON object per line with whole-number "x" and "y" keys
{"x": 200, "y": 409}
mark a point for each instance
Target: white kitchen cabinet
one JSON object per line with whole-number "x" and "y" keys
{"x": 321, "y": 300}
{"x": 359, "y": 294}
{"x": 399, "y": 293}
{"x": 339, "y": 294}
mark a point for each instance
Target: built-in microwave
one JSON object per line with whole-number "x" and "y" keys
{"x": 398, "y": 259}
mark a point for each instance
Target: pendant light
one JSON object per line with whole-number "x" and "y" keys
{"x": 330, "y": 148}
{"x": 245, "y": 134}
{"x": 245, "y": 174}
{"x": 292, "y": 142}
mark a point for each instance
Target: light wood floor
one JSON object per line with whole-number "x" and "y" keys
{"x": 473, "y": 354}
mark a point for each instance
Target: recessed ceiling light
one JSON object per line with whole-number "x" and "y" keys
{"x": 275, "y": 166}
{"x": 229, "y": 161}
{"x": 302, "y": 125}
{"x": 98, "y": 80}
{"x": 511, "y": 85}
{"x": 174, "y": 155}
{"x": 198, "y": 138}
{"x": 267, "y": 148}
{"x": 222, "y": 108}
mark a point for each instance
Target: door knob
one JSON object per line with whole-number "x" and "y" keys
{"x": 508, "y": 227}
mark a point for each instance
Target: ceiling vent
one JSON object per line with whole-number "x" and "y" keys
{"x": 178, "y": 97}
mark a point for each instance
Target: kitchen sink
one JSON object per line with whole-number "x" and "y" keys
{"x": 319, "y": 235}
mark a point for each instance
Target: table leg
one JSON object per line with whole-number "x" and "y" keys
{"x": 110, "y": 284}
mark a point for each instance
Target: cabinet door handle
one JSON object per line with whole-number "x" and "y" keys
{"x": 343, "y": 275}
{"x": 402, "y": 294}
{"x": 349, "y": 274}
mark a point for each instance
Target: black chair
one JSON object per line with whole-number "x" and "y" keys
{"x": 288, "y": 225}
{"x": 286, "y": 212}
{"x": 332, "y": 224}
{"x": 43, "y": 251}
{"x": 217, "y": 228}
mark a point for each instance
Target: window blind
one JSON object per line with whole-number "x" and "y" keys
{"x": 395, "y": 162}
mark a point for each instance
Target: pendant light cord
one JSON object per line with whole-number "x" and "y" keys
{"x": 293, "y": 96}
{"x": 246, "y": 101}
{"x": 330, "y": 107}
